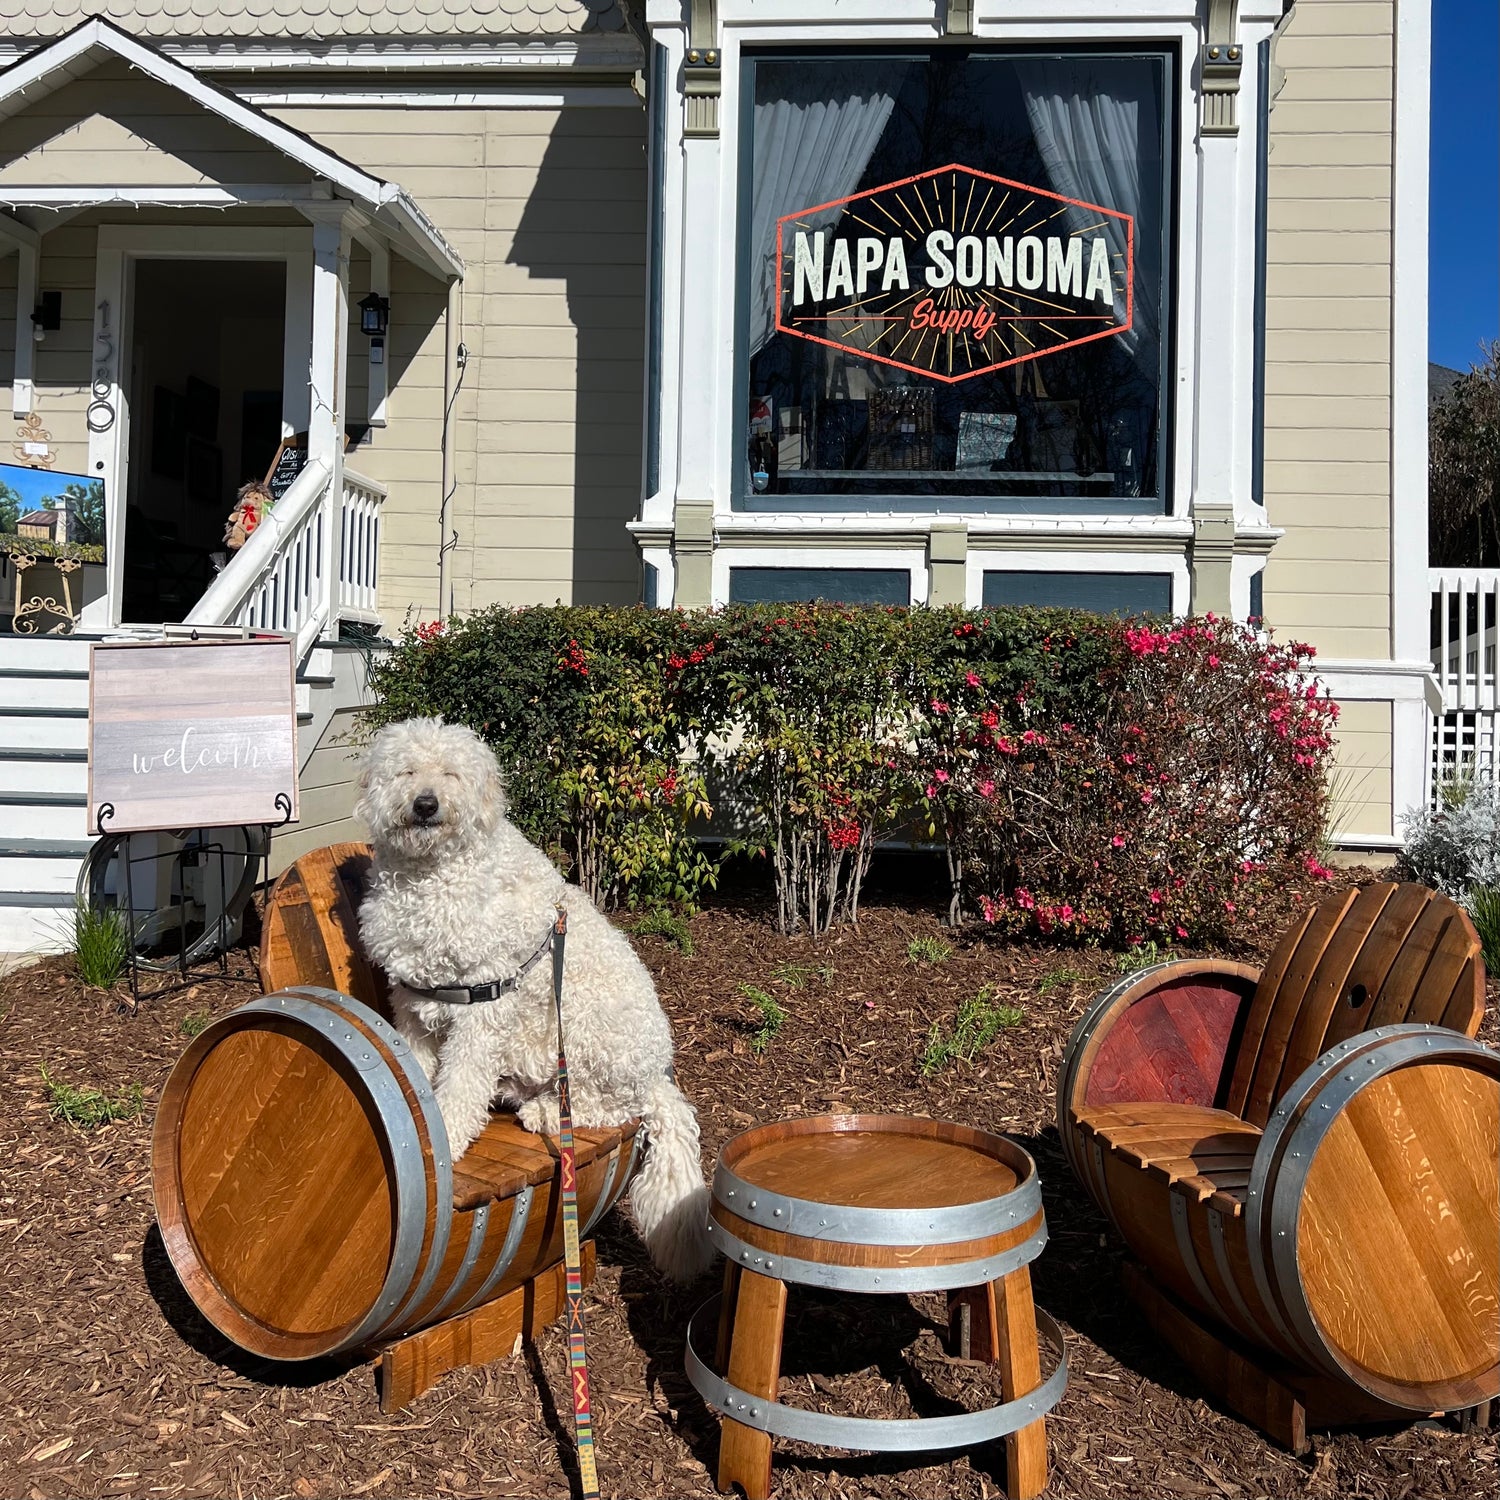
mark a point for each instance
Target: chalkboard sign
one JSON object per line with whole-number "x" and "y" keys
{"x": 199, "y": 734}
{"x": 290, "y": 460}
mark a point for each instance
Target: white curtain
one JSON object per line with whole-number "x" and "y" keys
{"x": 811, "y": 145}
{"x": 1091, "y": 144}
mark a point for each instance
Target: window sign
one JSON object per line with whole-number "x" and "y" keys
{"x": 954, "y": 280}
{"x": 967, "y": 274}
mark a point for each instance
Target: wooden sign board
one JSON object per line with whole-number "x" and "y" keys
{"x": 290, "y": 460}
{"x": 191, "y": 734}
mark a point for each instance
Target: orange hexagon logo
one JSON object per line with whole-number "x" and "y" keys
{"x": 955, "y": 273}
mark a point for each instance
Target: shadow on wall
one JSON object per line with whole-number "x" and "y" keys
{"x": 585, "y": 225}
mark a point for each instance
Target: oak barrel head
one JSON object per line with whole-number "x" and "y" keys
{"x": 293, "y": 1186}
{"x": 1384, "y": 1228}
{"x": 310, "y": 934}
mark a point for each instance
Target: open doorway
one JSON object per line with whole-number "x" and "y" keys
{"x": 205, "y": 405}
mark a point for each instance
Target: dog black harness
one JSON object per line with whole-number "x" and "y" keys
{"x": 479, "y": 994}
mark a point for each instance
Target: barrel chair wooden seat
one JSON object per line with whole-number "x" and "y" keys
{"x": 1303, "y": 1162}
{"x": 302, "y": 1175}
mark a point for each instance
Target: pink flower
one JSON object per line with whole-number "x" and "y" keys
{"x": 1128, "y": 758}
{"x": 1147, "y": 795}
{"x": 931, "y": 791}
{"x": 1156, "y": 898}
{"x": 1213, "y": 660}
{"x": 1065, "y": 912}
{"x": 1182, "y": 932}
{"x": 1024, "y": 899}
{"x": 939, "y": 708}
{"x": 1118, "y": 841}
{"x": 1229, "y": 906}
{"x": 972, "y": 679}
{"x": 985, "y": 788}
{"x": 940, "y": 776}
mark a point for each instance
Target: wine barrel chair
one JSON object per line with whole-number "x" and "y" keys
{"x": 303, "y": 1181}
{"x": 1303, "y": 1161}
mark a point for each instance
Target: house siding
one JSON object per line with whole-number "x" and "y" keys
{"x": 1328, "y": 375}
{"x": 547, "y": 208}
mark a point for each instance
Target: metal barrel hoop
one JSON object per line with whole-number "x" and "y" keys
{"x": 385, "y": 1093}
{"x": 812, "y": 1220}
{"x": 1404, "y": 1045}
{"x": 616, "y": 1182}
{"x": 519, "y": 1214}
{"x": 478, "y": 1229}
{"x": 1187, "y": 1252}
{"x": 880, "y": 1435}
{"x": 924, "y": 1278}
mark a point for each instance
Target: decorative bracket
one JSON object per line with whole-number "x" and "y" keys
{"x": 960, "y": 18}
{"x": 1220, "y": 62}
{"x": 701, "y": 71}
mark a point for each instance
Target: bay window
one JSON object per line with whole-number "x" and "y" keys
{"x": 954, "y": 281}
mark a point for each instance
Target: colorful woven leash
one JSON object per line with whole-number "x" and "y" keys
{"x": 578, "y": 1349}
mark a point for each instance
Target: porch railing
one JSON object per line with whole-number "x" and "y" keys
{"x": 1465, "y": 617}
{"x": 359, "y": 549}
{"x": 280, "y": 579}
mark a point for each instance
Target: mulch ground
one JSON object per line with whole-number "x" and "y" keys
{"x": 111, "y": 1383}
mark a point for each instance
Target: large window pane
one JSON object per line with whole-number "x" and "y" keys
{"x": 833, "y": 585}
{"x": 954, "y": 280}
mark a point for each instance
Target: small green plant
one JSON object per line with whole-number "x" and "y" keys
{"x": 980, "y": 1020}
{"x": 772, "y": 1016}
{"x": 193, "y": 1023}
{"x": 799, "y": 976}
{"x": 101, "y": 944}
{"x": 665, "y": 924}
{"x": 928, "y": 950}
{"x": 88, "y": 1109}
{"x": 1139, "y": 956}
{"x": 1484, "y": 907}
{"x": 1057, "y": 978}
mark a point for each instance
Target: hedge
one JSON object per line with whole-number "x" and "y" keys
{"x": 1106, "y": 780}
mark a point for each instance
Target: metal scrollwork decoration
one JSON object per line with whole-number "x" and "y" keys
{"x": 33, "y": 444}
{"x": 100, "y": 414}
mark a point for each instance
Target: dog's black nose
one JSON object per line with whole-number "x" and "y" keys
{"x": 425, "y": 806}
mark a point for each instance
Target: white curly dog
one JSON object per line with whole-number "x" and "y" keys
{"x": 457, "y": 898}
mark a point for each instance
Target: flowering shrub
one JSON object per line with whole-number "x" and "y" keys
{"x": 1200, "y": 786}
{"x": 596, "y": 728}
{"x": 817, "y": 761}
{"x": 1088, "y": 778}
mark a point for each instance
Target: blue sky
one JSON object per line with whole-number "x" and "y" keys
{"x": 1465, "y": 183}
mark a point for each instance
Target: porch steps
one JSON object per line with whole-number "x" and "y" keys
{"x": 44, "y": 696}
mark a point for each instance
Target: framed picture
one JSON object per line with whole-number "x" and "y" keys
{"x": 168, "y": 432}
{"x": 50, "y": 514}
{"x": 202, "y": 409}
{"x": 205, "y": 472}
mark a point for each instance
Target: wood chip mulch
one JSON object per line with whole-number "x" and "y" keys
{"x": 112, "y": 1384}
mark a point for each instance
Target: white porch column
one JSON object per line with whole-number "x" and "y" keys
{"x": 328, "y": 363}
{"x": 25, "y": 363}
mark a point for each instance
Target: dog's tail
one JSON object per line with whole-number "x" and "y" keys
{"x": 668, "y": 1197}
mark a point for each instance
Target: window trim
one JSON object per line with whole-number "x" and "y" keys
{"x": 743, "y": 498}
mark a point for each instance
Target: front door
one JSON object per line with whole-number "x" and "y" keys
{"x": 205, "y": 402}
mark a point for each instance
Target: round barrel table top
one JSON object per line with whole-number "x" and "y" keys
{"x": 876, "y": 1161}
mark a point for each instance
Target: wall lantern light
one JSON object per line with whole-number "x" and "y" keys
{"x": 374, "y": 315}
{"x": 47, "y": 317}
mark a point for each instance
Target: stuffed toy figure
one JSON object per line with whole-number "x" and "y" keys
{"x": 250, "y": 506}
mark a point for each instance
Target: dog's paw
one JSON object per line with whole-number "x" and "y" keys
{"x": 540, "y": 1115}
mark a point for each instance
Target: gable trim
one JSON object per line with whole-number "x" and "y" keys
{"x": 74, "y": 55}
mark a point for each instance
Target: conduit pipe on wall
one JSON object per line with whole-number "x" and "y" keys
{"x": 452, "y": 373}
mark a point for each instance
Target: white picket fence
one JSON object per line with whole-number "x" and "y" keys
{"x": 1465, "y": 618}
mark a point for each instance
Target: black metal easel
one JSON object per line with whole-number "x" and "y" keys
{"x": 185, "y": 965}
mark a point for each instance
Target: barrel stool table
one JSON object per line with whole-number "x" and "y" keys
{"x": 904, "y": 1205}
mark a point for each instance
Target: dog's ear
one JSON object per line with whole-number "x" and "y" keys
{"x": 492, "y": 802}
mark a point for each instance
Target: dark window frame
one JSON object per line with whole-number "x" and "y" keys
{"x": 744, "y": 498}
{"x": 811, "y": 570}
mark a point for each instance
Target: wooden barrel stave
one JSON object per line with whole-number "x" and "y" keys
{"x": 345, "y": 1233}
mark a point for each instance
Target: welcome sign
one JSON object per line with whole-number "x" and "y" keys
{"x": 955, "y": 273}
{"x": 198, "y": 734}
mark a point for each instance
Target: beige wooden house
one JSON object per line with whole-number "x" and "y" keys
{"x": 493, "y": 286}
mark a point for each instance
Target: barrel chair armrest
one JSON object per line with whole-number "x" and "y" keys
{"x": 1165, "y": 1034}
